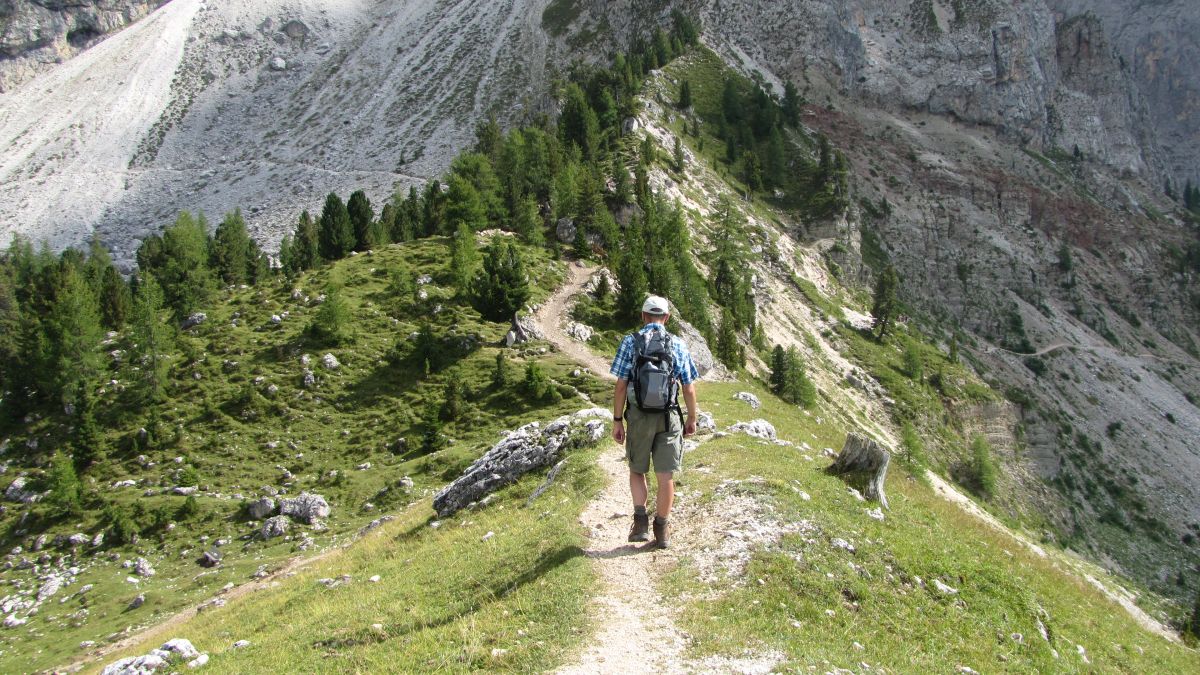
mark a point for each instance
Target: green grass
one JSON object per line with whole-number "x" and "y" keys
{"x": 447, "y": 600}
{"x": 781, "y": 603}
{"x": 224, "y": 425}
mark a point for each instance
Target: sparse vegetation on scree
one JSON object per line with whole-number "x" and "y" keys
{"x": 145, "y": 419}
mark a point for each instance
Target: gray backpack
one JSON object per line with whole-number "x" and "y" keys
{"x": 655, "y": 387}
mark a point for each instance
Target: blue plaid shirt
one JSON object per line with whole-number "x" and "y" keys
{"x": 685, "y": 369}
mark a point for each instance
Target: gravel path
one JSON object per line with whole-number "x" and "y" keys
{"x": 551, "y": 316}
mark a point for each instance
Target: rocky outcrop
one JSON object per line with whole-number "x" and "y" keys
{"x": 523, "y": 329}
{"x": 526, "y": 449}
{"x": 172, "y": 653}
{"x": 702, "y": 356}
{"x": 36, "y": 34}
{"x": 307, "y": 508}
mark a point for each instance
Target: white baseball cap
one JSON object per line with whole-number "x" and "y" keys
{"x": 656, "y": 305}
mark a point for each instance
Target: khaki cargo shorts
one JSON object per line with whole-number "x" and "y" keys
{"x": 653, "y": 434}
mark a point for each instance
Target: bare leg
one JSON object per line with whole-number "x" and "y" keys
{"x": 666, "y": 495}
{"x": 637, "y": 488}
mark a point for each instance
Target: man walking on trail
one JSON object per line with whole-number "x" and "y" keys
{"x": 652, "y": 367}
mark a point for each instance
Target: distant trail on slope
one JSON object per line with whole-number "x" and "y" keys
{"x": 554, "y": 311}
{"x": 635, "y": 631}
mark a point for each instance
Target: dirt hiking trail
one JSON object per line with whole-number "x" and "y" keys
{"x": 551, "y": 316}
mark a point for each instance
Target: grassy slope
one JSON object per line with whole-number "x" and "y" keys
{"x": 226, "y": 422}
{"x": 447, "y": 599}
{"x": 1004, "y": 589}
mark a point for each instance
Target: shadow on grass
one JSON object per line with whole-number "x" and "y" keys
{"x": 485, "y": 594}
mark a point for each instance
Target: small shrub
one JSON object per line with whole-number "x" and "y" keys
{"x": 121, "y": 526}
{"x": 332, "y": 324}
{"x": 914, "y": 449}
{"x": 189, "y": 509}
{"x": 66, "y": 492}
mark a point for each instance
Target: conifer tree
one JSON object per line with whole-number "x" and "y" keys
{"x": 464, "y": 205}
{"x": 623, "y": 191}
{"x": 464, "y": 258}
{"x": 501, "y": 287}
{"x": 527, "y": 222}
{"x": 685, "y": 95}
{"x": 231, "y": 249}
{"x": 287, "y": 257}
{"x": 335, "y": 230}
{"x": 432, "y": 438}
{"x": 66, "y": 491}
{"x": 151, "y": 340}
{"x": 791, "y": 104}
{"x": 332, "y": 323}
{"x": 307, "y": 243}
{"x": 886, "y": 306}
{"x": 729, "y": 349}
{"x": 500, "y": 374}
{"x": 752, "y": 171}
{"x": 778, "y": 379}
{"x": 800, "y": 389}
{"x": 678, "y": 156}
{"x": 86, "y": 441}
{"x": 73, "y": 328}
{"x": 478, "y": 170}
{"x": 186, "y": 279}
{"x": 953, "y": 349}
{"x": 114, "y": 299}
{"x": 578, "y": 122}
{"x": 631, "y": 277}
{"x": 362, "y": 219}
{"x": 454, "y": 394}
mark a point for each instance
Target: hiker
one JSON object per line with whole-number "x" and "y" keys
{"x": 652, "y": 367}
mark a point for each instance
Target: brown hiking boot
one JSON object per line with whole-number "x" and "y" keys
{"x": 641, "y": 525}
{"x": 662, "y": 538}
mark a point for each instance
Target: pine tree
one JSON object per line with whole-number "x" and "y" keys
{"x": 500, "y": 374}
{"x": 362, "y": 219}
{"x": 685, "y": 95}
{"x": 464, "y": 258}
{"x": 527, "y": 222}
{"x": 86, "y": 441}
{"x": 432, "y": 439}
{"x": 335, "y": 230}
{"x": 501, "y": 287}
{"x": 307, "y": 243}
{"x": 679, "y": 157}
{"x": 824, "y": 160}
{"x": 752, "y": 171}
{"x": 114, "y": 299}
{"x": 778, "y": 379}
{"x": 186, "y": 279}
{"x": 798, "y": 388}
{"x": 578, "y": 123}
{"x": 454, "y": 394}
{"x": 74, "y": 332}
{"x": 953, "y": 349}
{"x": 464, "y": 205}
{"x": 791, "y": 104}
{"x": 287, "y": 257}
{"x": 775, "y": 161}
{"x": 729, "y": 349}
{"x": 886, "y": 305}
{"x": 623, "y": 191}
{"x": 231, "y": 250}
{"x": 332, "y": 323}
{"x": 151, "y": 340}
{"x": 914, "y": 363}
{"x": 66, "y": 491}
{"x": 631, "y": 277}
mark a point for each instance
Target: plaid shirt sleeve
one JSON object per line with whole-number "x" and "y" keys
{"x": 685, "y": 368}
{"x": 622, "y": 365}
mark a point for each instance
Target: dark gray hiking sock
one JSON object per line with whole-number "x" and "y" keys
{"x": 660, "y": 520}
{"x": 639, "y": 510}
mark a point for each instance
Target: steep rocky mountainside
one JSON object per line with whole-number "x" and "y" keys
{"x": 1159, "y": 44}
{"x": 265, "y": 105}
{"x": 36, "y": 34}
{"x": 1007, "y": 158}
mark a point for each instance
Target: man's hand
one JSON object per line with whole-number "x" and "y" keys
{"x": 618, "y": 433}
{"x": 689, "y": 427}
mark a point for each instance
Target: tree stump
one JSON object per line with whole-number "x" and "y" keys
{"x": 864, "y": 455}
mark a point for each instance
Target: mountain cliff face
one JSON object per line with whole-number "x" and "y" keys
{"x": 35, "y": 34}
{"x": 1158, "y": 44}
